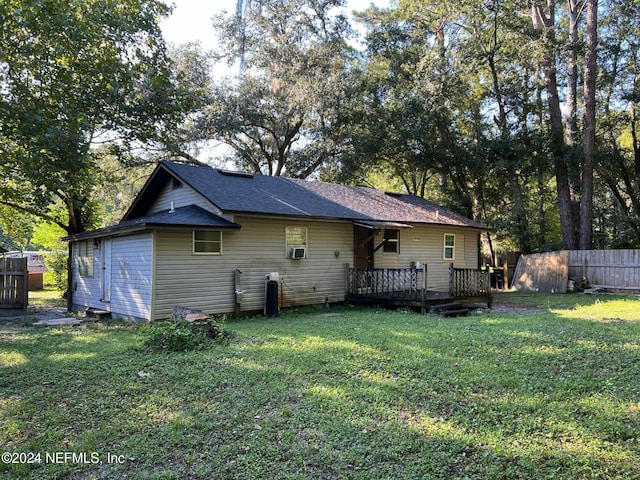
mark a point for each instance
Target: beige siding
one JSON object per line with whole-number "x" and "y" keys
{"x": 131, "y": 276}
{"x": 181, "y": 197}
{"x": 258, "y": 248}
{"x": 425, "y": 244}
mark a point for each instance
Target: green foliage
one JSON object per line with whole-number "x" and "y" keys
{"x": 16, "y": 229}
{"x": 179, "y": 335}
{"x": 451, "y": 90}
{"x": 76, "y": 73}
{"x": 56, "y": 262}
{"x": 276, "y": 116}
{"x": 46, "y": 237}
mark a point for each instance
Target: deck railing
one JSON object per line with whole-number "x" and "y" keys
{"x": 397, "y": 283}
{"x": 469, "y": 282}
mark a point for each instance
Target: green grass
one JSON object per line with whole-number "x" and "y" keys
{"x": 340, "y": 393}
{"x": 47, "y": 297}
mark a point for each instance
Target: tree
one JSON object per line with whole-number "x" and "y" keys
{"x": 617, "y": 139}
{"x": 281, "y": 114}
{"x": 589, "y": 126}
{"x": 448, "y": 92}
{"x": 544, "y": 20}
{"x": 74, "y": 74}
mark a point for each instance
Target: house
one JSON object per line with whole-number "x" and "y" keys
{"x": 35, "y": 266}
{"x": 208, "y": 239}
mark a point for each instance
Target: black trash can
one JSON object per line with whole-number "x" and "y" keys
{"x": 497, "y": 278}
{"x": 271, "y": 298}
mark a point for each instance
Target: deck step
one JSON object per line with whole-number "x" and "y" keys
{"x": 459, "y": 312}
{"x": 448, "y": 306}
{"x": 98, "y": 313}
{"x": 452, "y": 309}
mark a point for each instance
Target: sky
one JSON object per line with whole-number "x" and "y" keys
{"x": 191, "y": 22}
{"x": 191, "y": 19}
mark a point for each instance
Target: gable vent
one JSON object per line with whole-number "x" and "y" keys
{"x": 231, "y": 173}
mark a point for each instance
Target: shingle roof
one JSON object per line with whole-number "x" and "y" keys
{"x": 261, "y": 194}
{"x": 190, "y": 216}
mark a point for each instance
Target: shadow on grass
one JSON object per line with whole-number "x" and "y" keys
{"x": 354, "y": 394}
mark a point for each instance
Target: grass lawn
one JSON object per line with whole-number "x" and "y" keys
{"x": 339, "y": 393}
{"x": 47, "y": 297}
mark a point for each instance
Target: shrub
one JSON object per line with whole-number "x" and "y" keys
{"x": 179, "y": 335}
{"x": 57, "y": 275}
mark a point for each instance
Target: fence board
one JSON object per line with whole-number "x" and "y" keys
{"x": 615, "y": 269}
{"x": 13, "y": 284}
{"x": 542, "y": 272}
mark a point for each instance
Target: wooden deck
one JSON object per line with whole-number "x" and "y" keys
{"x": 406, "y": 288}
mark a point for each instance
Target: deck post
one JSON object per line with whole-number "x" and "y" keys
{"x": 505, "y": 280}
{"x": 237, "y": 280}
{"x": 347, "y": 287}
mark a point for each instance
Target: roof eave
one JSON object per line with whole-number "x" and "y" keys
{"x": 128, "y": 230}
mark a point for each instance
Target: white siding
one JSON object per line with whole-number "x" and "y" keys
{"x": 258, "y": 248}
{"x": 181, "y": 197}
{"x": 86, "y": 291}
{"x": 131, "y": 280}
{"x": 425, "y": 244}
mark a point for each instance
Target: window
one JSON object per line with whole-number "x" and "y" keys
{"x": 449, "y": 246}
{"x": 85, "y": 259}
{"x": 207, "y": 242}
{"x": 391, "y": 241}
{"x": 296, "y": 242}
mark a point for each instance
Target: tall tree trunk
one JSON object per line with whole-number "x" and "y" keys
{"x": 589, "y": 126}
{"x": 634, "y": 134}
{"x": 568, "y": 224}
{"x": 572, "y": 74}
{"x": 542, "y": 219}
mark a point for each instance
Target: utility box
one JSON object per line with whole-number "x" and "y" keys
{"x": 271, "y": 298}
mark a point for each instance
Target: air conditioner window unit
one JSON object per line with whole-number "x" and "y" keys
{"x": 297, "y": 252}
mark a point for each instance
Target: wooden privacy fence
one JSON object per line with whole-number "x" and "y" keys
{"x": 542, "y": 272}
{"x": 13, "y": 286}
{"x": 469, "y": 282}
{"x": 550, "y": 272}
{"x": 611, "y": 269}
{"x": 404, "y": 283}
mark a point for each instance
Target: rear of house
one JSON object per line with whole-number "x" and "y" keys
{"x": 209, "y": 240}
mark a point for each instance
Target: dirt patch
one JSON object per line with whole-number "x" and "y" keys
{"x": 514, "y": 309}
{"x": 34, "y": 315}
{"x": 615, "y": 320}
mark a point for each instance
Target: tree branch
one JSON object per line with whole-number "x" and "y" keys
{"x": 36, "y": 213}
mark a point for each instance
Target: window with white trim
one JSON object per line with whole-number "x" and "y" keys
{"x": 391, "y": 241}
{"x": 449, "y": 246}
{"x": 207, "y": 242}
